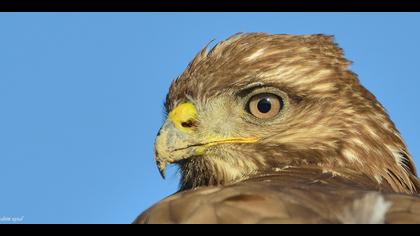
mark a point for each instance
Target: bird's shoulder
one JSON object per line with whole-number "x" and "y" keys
{"x": 289, "y": 196}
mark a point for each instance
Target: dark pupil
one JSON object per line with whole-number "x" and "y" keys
{"x": 264, "y": 105}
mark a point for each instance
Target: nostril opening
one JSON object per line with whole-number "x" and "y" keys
{"x": 189, "y": 124}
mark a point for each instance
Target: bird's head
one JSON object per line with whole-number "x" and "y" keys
{"x": 257, "y": 103}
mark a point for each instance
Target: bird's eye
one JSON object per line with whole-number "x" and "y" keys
{"x": 265, "y": 105}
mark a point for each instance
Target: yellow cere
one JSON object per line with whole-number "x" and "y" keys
{"x": 183, "y": 113}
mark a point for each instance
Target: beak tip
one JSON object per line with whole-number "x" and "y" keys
{"x": 162, "y": 167}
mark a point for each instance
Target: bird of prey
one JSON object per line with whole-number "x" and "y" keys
{"x": 276, "y": 129}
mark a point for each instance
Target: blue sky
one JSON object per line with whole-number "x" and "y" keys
{"x": 81, "y": 98}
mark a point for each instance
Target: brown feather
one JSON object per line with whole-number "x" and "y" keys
{"x": 297, "y": 195}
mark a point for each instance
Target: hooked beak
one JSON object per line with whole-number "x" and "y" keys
{"x": 179, "y": 139}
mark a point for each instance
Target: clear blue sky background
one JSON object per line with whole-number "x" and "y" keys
{"x": 81, "y": 98}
